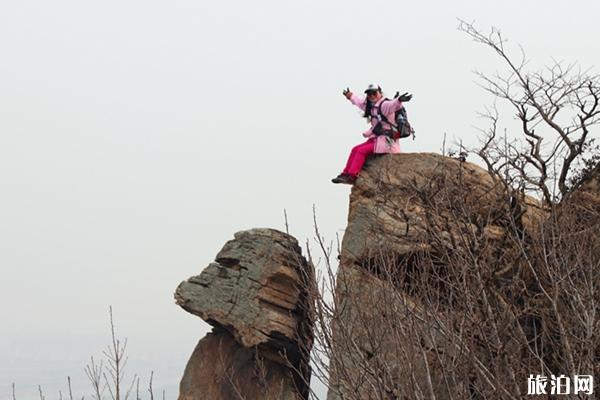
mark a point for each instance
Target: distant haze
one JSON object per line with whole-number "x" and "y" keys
{"x": 137, "y": 136}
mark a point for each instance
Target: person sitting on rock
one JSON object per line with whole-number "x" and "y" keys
{"x": 380, "y": 136}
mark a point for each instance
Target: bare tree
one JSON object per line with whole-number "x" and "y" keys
{"x": 556, "y": 108}
{"x": 137, "y": 389}
{"x": 150, "y": 389}
{"x": 116, "y": 361}
{"x": 69, "y": 387}
{"x": 94, "y": 372}
{"x": 492, "y": 296}
{"x": 106, "y": 376}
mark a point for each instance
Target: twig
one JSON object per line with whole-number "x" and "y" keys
{"x": 150, "y": 386}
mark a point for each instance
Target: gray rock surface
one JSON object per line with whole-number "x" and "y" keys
{"x": 387, "y": 210}
{"x": 387, "y": 343}
{"x": 256, "y": 292}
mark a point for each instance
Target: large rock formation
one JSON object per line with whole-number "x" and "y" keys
{"x": 400, "y": 201}
{"x": 254, "y": 295}
{"x": 393, "y": 335}
{"x": 450, "y": 285}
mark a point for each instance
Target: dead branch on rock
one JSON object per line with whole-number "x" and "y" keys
{"x": 556, "y": 108}
{"x": 488, "y": 296}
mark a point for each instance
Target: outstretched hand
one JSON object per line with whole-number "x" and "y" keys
{"x": 347, "y": 93}
{"x": 405, "y": 97}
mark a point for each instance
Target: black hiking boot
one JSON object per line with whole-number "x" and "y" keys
{"x": 344, "y": 178}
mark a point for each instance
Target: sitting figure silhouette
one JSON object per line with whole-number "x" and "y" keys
{"x": 382, "y": 136}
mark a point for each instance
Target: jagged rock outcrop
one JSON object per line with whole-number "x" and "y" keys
{"x": 396, "y": 201}
{"x": 254, "y": 295}
{"x": 442, "y": 291}
{"x": 393, "y": 335}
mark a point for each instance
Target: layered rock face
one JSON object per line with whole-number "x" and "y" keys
{"x": 254, "y": 295}
{"x": 407, "y": 213}
{"x": 442, "y": 291}
{"x": 395, "y": 205}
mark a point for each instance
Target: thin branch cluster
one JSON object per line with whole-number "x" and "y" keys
{"x": 495, "y": 298}
{"x": 556, "y": 108}
{"x": 106, "y": 375}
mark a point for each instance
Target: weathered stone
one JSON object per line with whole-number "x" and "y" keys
{"x": 256, "y": 292}
{"x": 386, "y": 343}
{"x": 220, "y": 368}
{"x": 387, "y": 211}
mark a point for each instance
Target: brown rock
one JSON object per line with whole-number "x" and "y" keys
{"x": 254, "y": 294}
{"x": 220, "y": 368}
{"x": 383, "y": 324}
{"x": 395, "y": 201}
{"x": 401, "y": 208}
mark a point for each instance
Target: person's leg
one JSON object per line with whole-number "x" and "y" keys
{"x": 357, "y": 157}
{"x": 350, "y": 159}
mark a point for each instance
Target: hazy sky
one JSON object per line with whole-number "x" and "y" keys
{"x": 137, "y": 136}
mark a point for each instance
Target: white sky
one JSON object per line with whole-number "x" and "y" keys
{"x": 137, "y": 136}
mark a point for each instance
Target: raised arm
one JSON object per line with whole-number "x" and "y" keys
{"x": 391, "y": 106}
{"x": 394, "y": 105}
{"x": 358, "y": 101}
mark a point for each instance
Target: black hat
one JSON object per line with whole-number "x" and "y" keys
{"x": 373, "y": 88}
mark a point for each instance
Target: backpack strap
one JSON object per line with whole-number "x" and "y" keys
{"x": 382, "y": 116}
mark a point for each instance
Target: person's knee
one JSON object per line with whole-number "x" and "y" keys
{"x": 356, "y": 149}
{"x": 365, "y": 150}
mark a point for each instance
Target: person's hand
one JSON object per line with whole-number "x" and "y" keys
{"x": 405, "y": 97}
{"x": 347, "y": 93}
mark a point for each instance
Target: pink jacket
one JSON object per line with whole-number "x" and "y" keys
{"x": 383, "y": 144}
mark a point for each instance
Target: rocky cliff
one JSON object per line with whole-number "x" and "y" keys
{"x": 450, "y": 285}
{"x": 254, "y": 295}
{"x": 414, "y": 220}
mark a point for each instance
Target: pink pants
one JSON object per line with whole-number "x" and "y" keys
{"x": 357, "y": 157}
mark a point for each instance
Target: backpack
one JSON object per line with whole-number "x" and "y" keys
{"x": 402, "y": 128}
